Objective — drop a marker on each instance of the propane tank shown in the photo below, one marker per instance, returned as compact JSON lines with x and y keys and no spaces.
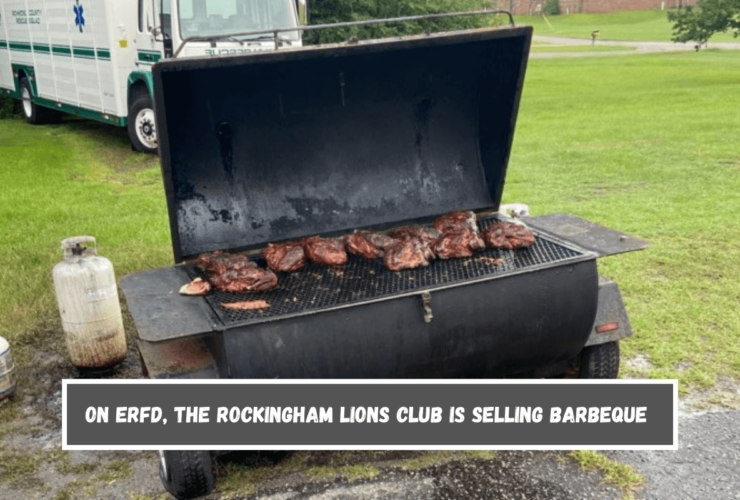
{"x":88,"y":303}
{"x":7,"y":386}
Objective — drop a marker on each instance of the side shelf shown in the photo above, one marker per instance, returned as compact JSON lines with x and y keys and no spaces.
{"x":586,"y":234}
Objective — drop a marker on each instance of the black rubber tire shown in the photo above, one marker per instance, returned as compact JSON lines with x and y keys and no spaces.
{"x":141,"y":102}
{"x":39,"y":114}
{"x":188,"y":474}
{"x":600,"y":361}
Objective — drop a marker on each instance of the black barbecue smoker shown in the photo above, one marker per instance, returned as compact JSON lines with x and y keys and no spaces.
{"x":277,"y":146}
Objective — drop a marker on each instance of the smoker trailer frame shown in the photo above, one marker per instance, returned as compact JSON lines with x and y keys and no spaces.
{"x":377,"y":134}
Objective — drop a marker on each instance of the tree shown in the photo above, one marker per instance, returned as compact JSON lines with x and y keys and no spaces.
{"x":334,"y":11}
{"x":698,"y":24}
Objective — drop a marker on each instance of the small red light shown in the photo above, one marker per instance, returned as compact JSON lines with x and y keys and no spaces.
{"x":607,"y":327}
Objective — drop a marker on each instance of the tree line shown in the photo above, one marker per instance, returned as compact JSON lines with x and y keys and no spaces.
{"x":334,"y":11}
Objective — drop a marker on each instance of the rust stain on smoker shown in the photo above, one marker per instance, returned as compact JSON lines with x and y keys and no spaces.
{"x":183,"y":355}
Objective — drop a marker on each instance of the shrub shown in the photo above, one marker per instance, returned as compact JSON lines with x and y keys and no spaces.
{"x":7,"y":107}
{"x":551,"y":8}
{"x":334,"y":11}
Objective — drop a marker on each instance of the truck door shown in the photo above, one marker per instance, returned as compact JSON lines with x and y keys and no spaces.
{"x":151,"y":40}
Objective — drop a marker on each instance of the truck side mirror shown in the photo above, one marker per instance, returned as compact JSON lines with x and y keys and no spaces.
{"x":303,"y":8}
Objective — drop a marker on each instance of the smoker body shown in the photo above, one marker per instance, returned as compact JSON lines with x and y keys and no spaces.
{"x":383,"y":133}
{"x":373,"y":135}
{"x":492,"y":328}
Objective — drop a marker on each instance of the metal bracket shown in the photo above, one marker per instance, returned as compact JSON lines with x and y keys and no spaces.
{"x":426,"y":301}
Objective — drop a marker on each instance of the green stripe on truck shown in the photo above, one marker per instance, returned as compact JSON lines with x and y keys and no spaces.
{"x":23,"y":47}
{"x":61,"y":50}
{"x":83,"y":52}
{"x":121,"y":121}
{"x":58,"y":50}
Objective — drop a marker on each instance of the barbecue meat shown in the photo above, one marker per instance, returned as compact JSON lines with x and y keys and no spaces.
{"x":360,"y":244}
{"x":379,"y":240}
{"x":248,"y":279}
{"x":285,"y":257}
{"x":218,"y":262}
{"x":325,"y":251}
{"x":457,"y":221}
{"x":196,"y":288}
{"x":247,"y":305}
{"x":508,"y":236}
{"x":236,"y":273}
{"x":423,"y":234}
{"x":407,"y":254}
{"x":457,"y":244}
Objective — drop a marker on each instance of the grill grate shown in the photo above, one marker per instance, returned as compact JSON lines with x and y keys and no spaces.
{"x":318,"y":287}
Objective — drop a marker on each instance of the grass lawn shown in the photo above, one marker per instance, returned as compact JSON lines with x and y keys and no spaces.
{"x":65,"y":180}
{"x":649,"y":25}
{"x":647,"y":146}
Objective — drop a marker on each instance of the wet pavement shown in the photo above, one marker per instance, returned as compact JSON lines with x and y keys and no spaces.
{"x":631,"y":48}
{"x":706,"y":465}
{"x":525,"y":475}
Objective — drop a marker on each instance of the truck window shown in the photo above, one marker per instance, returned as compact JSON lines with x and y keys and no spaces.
{"x":166,"y":19}
{"x":141,"y":16}
{"x":217,"y":17}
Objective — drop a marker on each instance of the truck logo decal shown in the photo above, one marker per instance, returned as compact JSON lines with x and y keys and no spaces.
{"x":79,"y":20}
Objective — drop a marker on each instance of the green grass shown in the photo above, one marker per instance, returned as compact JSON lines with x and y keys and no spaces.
{"x":16,"y":464}
{"x":67,"y":180}
{"x":623,"y":476}
{"x":115,"y":470}
{"x":651,"y":25}
{"x":648,"y":146}
{"x":552,"y":47}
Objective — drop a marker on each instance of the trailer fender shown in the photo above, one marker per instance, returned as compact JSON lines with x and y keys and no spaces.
{"x":137,"y":78}
{"x":140,"y":121}
{"x":612,"y":323}
{"x":19,"y":71}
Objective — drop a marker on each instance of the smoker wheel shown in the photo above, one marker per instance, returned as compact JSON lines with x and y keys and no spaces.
{"x":600,"y":361}
{"x":186,"y":474}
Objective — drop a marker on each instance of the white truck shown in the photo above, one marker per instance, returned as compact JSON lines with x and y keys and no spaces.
{"x":93,"y":58}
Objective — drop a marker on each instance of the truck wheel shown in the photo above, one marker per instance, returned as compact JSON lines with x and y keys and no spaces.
{"x":142,"y":129}
{"x":34,"y":113}
{"x":600,"y":361}
{"x":186,"y":474}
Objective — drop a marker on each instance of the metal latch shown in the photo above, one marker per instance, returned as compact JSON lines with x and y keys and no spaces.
{"x":426,"y":300}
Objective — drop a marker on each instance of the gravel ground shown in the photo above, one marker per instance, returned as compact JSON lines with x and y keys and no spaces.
{"x":523,"y":475}
{"x":705,"y":466}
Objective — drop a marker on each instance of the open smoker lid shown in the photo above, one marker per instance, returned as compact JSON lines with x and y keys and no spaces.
{"x":280,"y":145}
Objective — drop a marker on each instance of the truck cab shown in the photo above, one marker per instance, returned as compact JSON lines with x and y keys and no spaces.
{"x":94,"y":59}
{"x":201,"y":28}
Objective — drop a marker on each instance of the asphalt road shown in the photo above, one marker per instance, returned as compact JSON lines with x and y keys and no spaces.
{"x":631,"y":48}
{"x":706,"y":465}
{"x":525,"y":475}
